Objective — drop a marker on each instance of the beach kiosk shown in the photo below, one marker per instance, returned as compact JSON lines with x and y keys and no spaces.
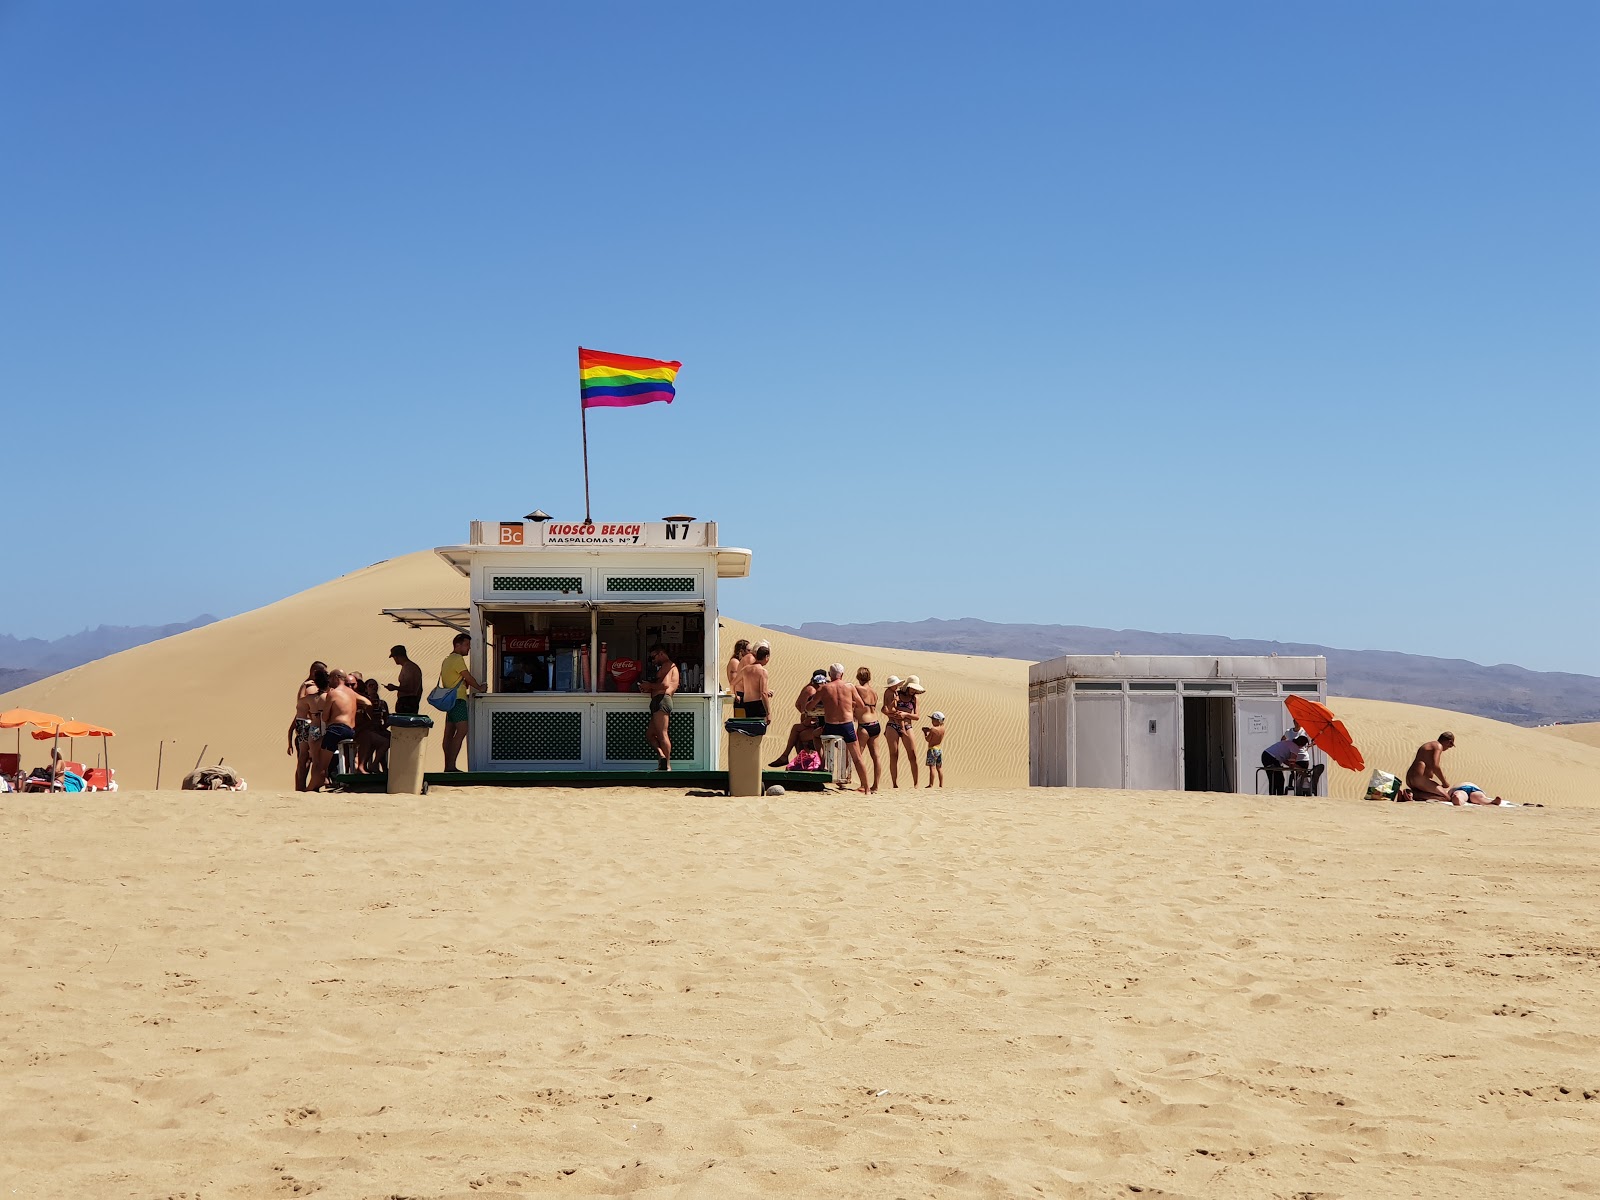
{"x":562,"y":616}
{"x":1172,"y":723}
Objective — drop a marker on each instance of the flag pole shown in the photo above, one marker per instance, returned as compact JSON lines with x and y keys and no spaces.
{"x":584,"y":410}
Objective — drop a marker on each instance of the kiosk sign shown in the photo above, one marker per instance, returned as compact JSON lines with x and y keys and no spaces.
{"x":623,"y":533}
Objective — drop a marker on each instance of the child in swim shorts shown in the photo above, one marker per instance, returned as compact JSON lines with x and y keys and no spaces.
{"x":934,"y":733}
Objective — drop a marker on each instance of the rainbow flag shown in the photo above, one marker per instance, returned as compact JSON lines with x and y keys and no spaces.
{"x":621,"y":381}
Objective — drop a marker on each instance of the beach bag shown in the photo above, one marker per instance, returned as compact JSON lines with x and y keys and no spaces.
{"x":1383,"y":786}
{"x":443,"y":698}
{"x":806,"y":760}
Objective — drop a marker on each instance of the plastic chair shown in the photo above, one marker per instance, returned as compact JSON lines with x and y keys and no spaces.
{"x":835,"y":760}
{"x":11,"y":767}
{"x":101,"y":779}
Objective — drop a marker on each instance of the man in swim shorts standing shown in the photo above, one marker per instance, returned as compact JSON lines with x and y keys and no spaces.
{"x":660,"y":692}
{"x":1425,"y":768}
{"x":338,"y":725}
{"x":409,"y":698}
{"x":754,"y":684}
{"x":453,"y":672}
{"x":838,"y":700}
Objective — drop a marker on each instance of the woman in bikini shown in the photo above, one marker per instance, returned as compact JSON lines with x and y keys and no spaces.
{"x":900,"y":711}
{"x":867,"y":723}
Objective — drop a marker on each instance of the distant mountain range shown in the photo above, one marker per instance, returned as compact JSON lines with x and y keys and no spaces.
{"x":24,"y":660}
{"x":1504,"y":692}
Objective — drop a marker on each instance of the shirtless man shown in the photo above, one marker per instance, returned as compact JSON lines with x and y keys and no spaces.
{"x":303,"y":727}
{"x":838,"y":700}
{"x":409,"y":697}
{"x":660,"y":692}
{"x":1425,"y":769}
{"x":867,"y":723}
{"x":806,"y":729}
{"x":755,"y":685}
{"x":736,"y":665}
{"x":339,"y":724}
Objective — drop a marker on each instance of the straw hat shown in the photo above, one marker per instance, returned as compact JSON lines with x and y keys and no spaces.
{"x":913,"y":684}
{"x":893,"y":681}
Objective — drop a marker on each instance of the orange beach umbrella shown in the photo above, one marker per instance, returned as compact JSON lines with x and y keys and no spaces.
{"x":59,"y":729}
{"x":71,"y":729}
{"x":1324,"y":729}
{"x":16,"y":718}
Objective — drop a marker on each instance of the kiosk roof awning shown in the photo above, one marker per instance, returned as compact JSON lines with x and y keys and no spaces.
{"x":432,"y":618}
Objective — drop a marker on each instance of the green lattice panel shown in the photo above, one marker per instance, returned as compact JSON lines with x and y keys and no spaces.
{"x":626,"y":739}
{"x":650,"y":583}
{"x":536,"y":736}
{"x":536,"y":583}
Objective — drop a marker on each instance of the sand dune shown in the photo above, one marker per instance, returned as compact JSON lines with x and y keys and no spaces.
{"x":1588,"y":733}
{"x":1508,"y":760}
{"x":230,"y":687}
{"x":970,"y":993}
{"x":987,"y":991}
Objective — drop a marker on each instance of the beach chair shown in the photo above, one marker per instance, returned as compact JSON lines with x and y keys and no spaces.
{"x":101,"y":779}
{"x":11,"y":768}
{"x":835,"y":759}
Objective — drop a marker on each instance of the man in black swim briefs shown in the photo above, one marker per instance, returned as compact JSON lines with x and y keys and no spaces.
{"x":838,"y":700}
{"x":660,"y":691}
{"x":755,"y":686}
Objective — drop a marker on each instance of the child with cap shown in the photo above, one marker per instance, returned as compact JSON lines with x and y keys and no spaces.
{"x":935,"y":735}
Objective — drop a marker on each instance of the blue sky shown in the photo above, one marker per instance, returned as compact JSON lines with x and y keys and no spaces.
{"x":1257,"y":319}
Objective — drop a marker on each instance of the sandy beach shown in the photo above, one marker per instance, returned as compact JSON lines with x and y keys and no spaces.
{"x":988,"y":993}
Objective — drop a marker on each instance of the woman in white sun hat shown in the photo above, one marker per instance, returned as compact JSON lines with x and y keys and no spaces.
{"x":900,"y":718}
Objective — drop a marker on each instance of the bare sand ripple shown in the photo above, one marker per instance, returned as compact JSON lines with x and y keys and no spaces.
{"x":988,"y":993}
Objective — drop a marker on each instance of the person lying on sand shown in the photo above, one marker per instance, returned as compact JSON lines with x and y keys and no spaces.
{"x":1425,"y":776}
{"x":1471,"y":793}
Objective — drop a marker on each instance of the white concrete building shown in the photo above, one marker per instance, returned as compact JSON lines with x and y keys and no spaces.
{"x":1175,"y":723}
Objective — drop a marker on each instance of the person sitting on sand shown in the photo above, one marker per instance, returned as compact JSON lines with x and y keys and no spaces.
{"x":1425,"y":775}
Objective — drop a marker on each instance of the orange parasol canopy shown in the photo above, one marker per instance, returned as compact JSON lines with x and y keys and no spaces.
{"x":1323,"y":728}
{"x":71,"y":729}
{"x":16,"y":718}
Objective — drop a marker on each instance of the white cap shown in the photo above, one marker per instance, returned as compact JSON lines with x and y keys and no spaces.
{"x":936,"y":717}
